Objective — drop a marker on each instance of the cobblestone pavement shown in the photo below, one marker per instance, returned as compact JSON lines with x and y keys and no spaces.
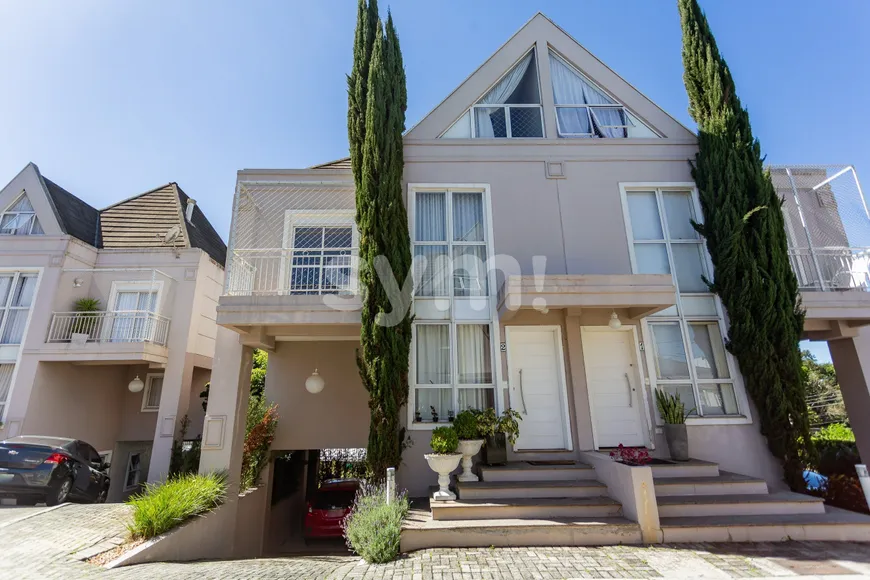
{"x":42,"y":546}
{"x":10,"y":514}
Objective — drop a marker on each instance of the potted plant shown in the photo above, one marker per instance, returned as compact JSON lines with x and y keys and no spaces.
{"x":85,"y":321}
{"x":443,"y":459}
{"x":467,"y":427}
{"x":434,"y":414}
{"x":418,"y":416}
{"x":498,"y":431}
{"x":674,"y":414}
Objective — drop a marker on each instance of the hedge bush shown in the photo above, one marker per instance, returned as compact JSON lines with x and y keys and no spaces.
{"x":373,"y":529}
{"x":444,"y":440}
{"x":837,"y":451}
{"x":467,"y":424}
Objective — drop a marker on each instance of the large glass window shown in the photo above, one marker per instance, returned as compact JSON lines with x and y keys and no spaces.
{"x":321,"y":260}
{"x":449,"y":244}
{"x":5,"y":387}
{"x":453,"y":363}
{"x":20,"y":219}
{"x":16,"y":296}
{"x":688,"y":350}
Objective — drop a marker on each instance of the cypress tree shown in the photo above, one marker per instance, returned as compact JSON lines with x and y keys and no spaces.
{"x":383,"y":229}
{"x":358,"y":82}
{"x":745,"y":235}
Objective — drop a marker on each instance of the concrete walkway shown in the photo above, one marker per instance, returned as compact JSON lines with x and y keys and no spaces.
{"x":43,"y":544}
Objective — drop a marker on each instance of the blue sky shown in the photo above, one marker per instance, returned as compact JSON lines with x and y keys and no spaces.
{"x":115,"y":98}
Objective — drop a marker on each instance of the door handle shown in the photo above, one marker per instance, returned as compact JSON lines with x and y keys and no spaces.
{"x":630,"y":389}
{"x":522,"y":398}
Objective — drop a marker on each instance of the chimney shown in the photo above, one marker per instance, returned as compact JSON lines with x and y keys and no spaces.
{"x":188,"y":212}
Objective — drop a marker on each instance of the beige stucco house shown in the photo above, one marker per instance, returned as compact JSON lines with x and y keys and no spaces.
{"x":564,"y":198}
{"x":155,"y":264}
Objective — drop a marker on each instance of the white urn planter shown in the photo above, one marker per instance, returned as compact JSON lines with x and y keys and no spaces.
{"x":468,"y":448}
{"x":79,"y":338}
{"x":443,"y":464}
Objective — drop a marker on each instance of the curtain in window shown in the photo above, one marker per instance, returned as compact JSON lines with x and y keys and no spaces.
{"x":22,"y":298}
{"x":571,"y":89}
{"x":433,"y":354}
{"x":468,"y":217}
{"x":431,"y":217}
{"x":154,"y":393}
{"x":498,"y":95}
{"x":476,"y":399}
{"x":5,"y":385}
{"x":604,"y":116}
{"x":473,"y":354}
{"x":431,"y":271}
{"x":469,"y":271}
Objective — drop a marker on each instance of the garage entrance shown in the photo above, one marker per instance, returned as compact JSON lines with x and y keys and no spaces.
{"x":297,"y":479}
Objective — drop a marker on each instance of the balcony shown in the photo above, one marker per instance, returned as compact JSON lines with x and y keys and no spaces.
{"x":828,"y":228}
{"x":112,"y":327}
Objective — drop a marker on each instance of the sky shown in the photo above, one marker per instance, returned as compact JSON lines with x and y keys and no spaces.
{"x":111,"y":99}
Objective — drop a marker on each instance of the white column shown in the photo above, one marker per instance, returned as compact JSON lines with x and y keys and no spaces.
{"x":174,"y":399}
{"x":851,"y":357}
{"x":224,"y":427}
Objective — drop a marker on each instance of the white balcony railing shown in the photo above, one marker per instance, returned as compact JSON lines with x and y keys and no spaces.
{"x":831,"y":268}
{"x":117,"y":326}
{"x":312,"y":271}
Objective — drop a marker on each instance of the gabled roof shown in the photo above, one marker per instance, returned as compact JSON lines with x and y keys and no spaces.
{"x":343,"y":163}
{"x":76,"y":217}
{"x":145,"y":220}
{"x":544,"y":34}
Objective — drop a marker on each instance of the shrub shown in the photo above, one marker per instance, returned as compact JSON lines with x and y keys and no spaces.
{"x":162,"y":506}
{"x":844,"y":491}
{"x":837,"y":452}
{"x":373,"y":528}
{"x":260,"y":425}
{"x":467,"y":424}
{"x":508,"y":423}
{"x":444,"y":440}
{"x":671,"y":408}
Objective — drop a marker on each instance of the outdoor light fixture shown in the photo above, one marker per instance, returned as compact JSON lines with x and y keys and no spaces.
{"x":136,"y":385}
{"x":315,"y":383}
{"x":78,"y":282}
{"x":614,"y":323}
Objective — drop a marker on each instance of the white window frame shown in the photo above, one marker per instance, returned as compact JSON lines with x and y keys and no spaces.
{"x":455,"y":316}
{"x":149,"y":379}
{"x":7,"y":307}
{"x":138,"y":470}
{"x":32,"y":222}
{"x":744,"y":415}
{"x":316,"y":218}
{"x":132,"y":286}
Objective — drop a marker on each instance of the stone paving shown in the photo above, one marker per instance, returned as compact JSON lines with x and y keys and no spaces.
{"x":41,"y":547}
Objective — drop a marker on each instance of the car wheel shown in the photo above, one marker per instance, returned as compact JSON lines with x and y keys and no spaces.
{"x":59,"y":492}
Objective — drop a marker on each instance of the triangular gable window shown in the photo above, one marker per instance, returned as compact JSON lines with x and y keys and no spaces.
{"x":510,"y":109}
{"x":583,"y":110}
{"x":20,"y":219}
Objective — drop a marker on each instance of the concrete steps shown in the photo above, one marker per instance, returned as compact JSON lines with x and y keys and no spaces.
{"x":521,"y":471}
{"x":831,"y":525}
{"x":524,"y":508}
{"x":723,"y":484}
{"x":691,"y":468}
{"x":484,"y":490}
{"x":782,"y":503}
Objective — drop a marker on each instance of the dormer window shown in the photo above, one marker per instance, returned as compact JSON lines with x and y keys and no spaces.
{"x":510,"y":109}
{"x":585,"y":111}
{"x":20,"y":219}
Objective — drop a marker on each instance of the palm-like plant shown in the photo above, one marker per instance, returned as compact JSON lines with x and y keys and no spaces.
{"x":671,"y":408}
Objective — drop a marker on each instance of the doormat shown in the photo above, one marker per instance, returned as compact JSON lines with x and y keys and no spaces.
{"x":553,"y":462}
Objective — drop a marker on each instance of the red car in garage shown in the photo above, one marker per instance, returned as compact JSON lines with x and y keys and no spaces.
{"x":329,"y":506}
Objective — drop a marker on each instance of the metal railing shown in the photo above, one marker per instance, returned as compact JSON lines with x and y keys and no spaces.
{"x":312,"y":271}
{"x":831,"y":268}
{"x":115,"y":326}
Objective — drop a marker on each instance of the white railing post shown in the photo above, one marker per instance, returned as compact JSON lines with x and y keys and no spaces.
{"x":391,"y":484}
{"x":797,"y":202}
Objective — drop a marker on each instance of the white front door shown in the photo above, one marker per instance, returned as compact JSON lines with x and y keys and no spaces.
{"x":612,"y":383}
{"x":537,"y":383}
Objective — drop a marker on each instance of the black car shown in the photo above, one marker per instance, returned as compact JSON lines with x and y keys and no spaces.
{"x":53,"y":470}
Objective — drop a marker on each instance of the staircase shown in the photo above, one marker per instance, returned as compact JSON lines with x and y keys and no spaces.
{"x":698,"y":502}
{"x":520,"y":504}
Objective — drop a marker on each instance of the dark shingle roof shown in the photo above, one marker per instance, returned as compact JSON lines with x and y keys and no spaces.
{"x":76,"y":217}
{"x":201,"y":233}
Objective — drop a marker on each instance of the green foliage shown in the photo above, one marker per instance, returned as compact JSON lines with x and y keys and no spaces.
{"x":444,"y":440}
{"x":824,"y":399}
{"x":181,"y":461}
{"x":341,"y":464}
{"x":745,"y":235}
{"x":837,"y":452}
{"x":467,"y":424}
{"x":377,"y":160}
{"x":162,"y":506}
{"x":260,"y":424}
{"x":508,"y":423}
{"x":672,"y":410}
{"x":87,"y":305}
{"x":373,"y":528}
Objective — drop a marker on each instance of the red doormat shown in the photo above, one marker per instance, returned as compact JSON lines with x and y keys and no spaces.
{"x":553,"y":462}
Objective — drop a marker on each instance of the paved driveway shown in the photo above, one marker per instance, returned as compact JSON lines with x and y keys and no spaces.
{"x":40,"y":544}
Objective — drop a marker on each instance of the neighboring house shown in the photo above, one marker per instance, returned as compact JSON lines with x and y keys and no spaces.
{"x":577,"y":186}
{"x":155,"y":263}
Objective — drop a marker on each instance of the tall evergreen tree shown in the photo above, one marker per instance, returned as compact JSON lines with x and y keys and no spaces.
{"x":383,"y":228}
{"x":358,"y":82}
{"x":745,"y":234}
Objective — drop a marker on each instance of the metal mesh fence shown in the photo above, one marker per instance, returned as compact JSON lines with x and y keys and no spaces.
{"x":828,"y":225}
{"x":293,"y":238}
